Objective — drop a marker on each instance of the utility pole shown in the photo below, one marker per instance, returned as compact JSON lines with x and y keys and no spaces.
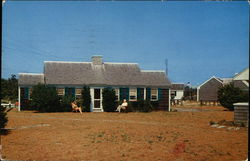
{"x":166,"y":63}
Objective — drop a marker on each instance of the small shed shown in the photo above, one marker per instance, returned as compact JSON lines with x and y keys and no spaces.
{"x":241,"y":113}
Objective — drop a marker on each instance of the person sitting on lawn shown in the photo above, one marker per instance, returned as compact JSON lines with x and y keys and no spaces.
{"x":75,"y":107}
{"x":123,"y":106}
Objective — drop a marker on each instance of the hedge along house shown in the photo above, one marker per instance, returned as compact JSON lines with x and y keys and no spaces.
{"x":128,"y":80}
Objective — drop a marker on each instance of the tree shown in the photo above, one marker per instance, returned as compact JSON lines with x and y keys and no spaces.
{"x":109,"y":100}
{"x":9,"y":88}
{"x":86,"y":99}
{"x":228,"y":95}
{"x":45,"y":99}
{"x":13,"y":88}
{"x":3,"y":117}
{"x":4,"y":88}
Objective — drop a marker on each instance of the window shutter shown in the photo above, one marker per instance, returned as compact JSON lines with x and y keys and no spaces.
{"x":140,"y":94}
{"x":148,"y":93}
{"x":66,"y":91}
{"x":124,"y":93}
{"x":127,"y":93}
{"x":73,"y":92}
{"x":159,"y":93}
{"x":26,"y":93}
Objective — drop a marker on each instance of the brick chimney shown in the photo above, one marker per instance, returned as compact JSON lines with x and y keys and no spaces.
{"x":97,"y":60}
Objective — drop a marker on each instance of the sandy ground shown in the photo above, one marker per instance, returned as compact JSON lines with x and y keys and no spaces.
{"x":125,"y":136}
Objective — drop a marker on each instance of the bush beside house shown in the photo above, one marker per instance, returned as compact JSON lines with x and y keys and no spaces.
{"x":86,"y":99}
{"x":45,"y":99}
{"x":228,"y":95}
{"x":142,"y":106}
{"x":3,"y":117}
{"x":109,"y":100}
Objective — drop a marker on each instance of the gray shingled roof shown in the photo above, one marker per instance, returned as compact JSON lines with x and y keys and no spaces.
{"x":177,"y":86}
{"x":30,"y":79}
{"x":240,"y":84}
{"x":113,"y":74}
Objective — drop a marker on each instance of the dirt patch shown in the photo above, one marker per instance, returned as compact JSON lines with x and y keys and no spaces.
{"x":124,"y":136}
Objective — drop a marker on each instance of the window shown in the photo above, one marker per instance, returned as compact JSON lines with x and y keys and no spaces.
{"x":117,"y":93}
{"x":154,"y":94}
{"x":78,"y":93}
{"x":132,"y":94}
{"x":60,"y":91}
{"x":173,"y":93}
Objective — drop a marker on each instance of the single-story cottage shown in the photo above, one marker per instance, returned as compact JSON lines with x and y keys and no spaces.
{"x":128,"y":80}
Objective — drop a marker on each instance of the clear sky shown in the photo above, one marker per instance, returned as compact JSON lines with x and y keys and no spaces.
{"x":199,"y":39}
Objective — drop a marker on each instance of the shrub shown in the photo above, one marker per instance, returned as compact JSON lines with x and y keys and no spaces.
{"x":228,"y":95}
{"x":147,"y":106}
{"x":45,"y":99}
{"x":26,"y":104}
{"x":86,"y":99}
{"x":65,"y":103}
{"x":155,"y":105}
{"x":140,"y":106}
{"x":109,"y":100}
{"x":3,"y":117}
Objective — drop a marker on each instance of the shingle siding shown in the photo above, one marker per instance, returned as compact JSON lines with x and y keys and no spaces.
{"x":240,"y":84}
{"x":208,"y":91}
{"x":26,"y":79}
{"x":176,"y":86}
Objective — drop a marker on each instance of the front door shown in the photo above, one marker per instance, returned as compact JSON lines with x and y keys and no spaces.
{"x":97,"y":98}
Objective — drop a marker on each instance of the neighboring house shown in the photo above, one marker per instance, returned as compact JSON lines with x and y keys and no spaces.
{"x":177,"y":92}
{"x":128,"y":80}
{"x":208,"y":91}
{"x":241,"y":80}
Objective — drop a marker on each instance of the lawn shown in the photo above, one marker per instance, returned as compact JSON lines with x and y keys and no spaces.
{"x":123,"y":136}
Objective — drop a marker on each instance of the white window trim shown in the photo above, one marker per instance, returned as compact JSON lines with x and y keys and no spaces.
{"x":135,"y":94}
{"x":152,"y":94}
{"x":100,"y":99}
{"x":118,"y":93}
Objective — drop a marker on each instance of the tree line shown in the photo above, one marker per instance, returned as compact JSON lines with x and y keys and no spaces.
{"x":9,"y":89}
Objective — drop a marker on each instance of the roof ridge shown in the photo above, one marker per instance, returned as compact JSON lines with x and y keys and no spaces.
{"x":152,"y":71}
{"x":31,"y":73}
{"x":66,"y":62}
{"x":119,"y":63}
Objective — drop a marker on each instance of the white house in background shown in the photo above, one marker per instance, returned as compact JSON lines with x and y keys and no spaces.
{"x":241,"y":80}
{"x":177,"y":90}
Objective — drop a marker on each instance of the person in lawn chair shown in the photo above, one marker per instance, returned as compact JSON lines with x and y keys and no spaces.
{"x":75,"y":107}
{"x":123,"y":106}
